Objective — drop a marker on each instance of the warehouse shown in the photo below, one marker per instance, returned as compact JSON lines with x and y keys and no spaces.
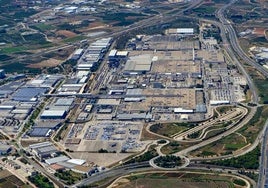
{"x":64,"y":102}
{"x":215,"y":102}
{"x":53,"y":114}
{"x":39,"y":132}
{"x":4,"y":148}
{"x":43,"y":150}
{"x":48,"y":124}
{"x":112,"y":54}
{"x":77,"y":161}
{"x":138,"y":64}
{"x":56,"y":159}
{"x":134,"y":116}
{"x":112,"y":102}
{"x":122,"y":54}
{"x":2,"y":74}
{"x":180,"y":31}
{"x":28,"y":94}
{"x":183,"y":111}
{"x":77,"y":54}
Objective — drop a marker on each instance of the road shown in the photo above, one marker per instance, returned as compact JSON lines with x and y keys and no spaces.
{"x":191,"y":171}
{"x":263,"y":176}
{"x":218,"y":137}
{"x":151,"y":21}
{"x":222,"y":118}
{"x":115,"y":172}
{"x":234,"y":41}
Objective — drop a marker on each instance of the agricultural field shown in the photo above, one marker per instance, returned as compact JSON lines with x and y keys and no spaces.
{"x":10,"y":181}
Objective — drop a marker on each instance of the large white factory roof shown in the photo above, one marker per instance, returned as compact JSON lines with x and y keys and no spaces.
{"x":185,"y":30}
{"x":53,"y":113}
{"x":76,"y":161}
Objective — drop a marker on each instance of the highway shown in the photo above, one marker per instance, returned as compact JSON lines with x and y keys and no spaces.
{"x":138,"y":25}
{"x":151,"y":21}
{"x":225,"y":24}
{"x":218,"y":137}
{"x":233,"y":48}
{"x":115,"y":172}
{"x":222,"y":118}
{"x":263,"y":178}
{"x":234,"y":41}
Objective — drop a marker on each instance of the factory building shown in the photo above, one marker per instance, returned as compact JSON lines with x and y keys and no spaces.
{"x":138,"y":64}
{"x":4,"y":149}
{"x":2,"y":73}
{"x":94,"y":54}
{"x":43,"y":150}
{"x":77,"y":54}
{"x":54,"y":114}
{"x":180,"y":31}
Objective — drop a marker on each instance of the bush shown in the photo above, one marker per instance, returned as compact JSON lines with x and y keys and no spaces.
{"x":240,"y":182}
{"x":247,"y":161}
{"x":169,"y":161}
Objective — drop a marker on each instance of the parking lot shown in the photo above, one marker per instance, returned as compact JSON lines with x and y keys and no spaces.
{"x":111,"y":136}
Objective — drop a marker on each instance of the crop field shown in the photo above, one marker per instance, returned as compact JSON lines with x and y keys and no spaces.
{"x":10,"y":181}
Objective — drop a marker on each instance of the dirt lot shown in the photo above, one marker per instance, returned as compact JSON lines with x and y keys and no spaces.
{"x":65,"y":33}
{"x":26,"y":143}
{"x":259,"y":31}
{"x":92,"y":26}
{"x":101,"y":159}
{"x":47,"y":63}
{"x":9,"y":181}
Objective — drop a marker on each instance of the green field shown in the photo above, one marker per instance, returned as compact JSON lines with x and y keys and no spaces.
{"x":69,"y":177}
{"x":223,"y":146}
{"x":255,"y":125}
{"x":43,"y":27}
{"x":169,"y":129}
{"x":11,"y":50}
{"x":247,"y":161}
{"x":224,"y":109}
{"x":205,"y":9}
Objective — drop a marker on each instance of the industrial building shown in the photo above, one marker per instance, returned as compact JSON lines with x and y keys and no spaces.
{"x":39,"y":132}
{"x":54,"y":114}
{"x":138,"y":64}
{"x":77,"y":54}
{"x":28,"y":94}
{"x":54,"y":160}
{"x":2,"y":73}
{"x":5,"y":149}
{"x":94,"y":54}
{"x":43,"y":150}
{"x":44,"y":128}
{"x":180,"y":31}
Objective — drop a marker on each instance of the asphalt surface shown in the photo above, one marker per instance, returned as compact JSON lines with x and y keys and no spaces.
{"x":114,"y":173}
{"x":263,"y":176}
